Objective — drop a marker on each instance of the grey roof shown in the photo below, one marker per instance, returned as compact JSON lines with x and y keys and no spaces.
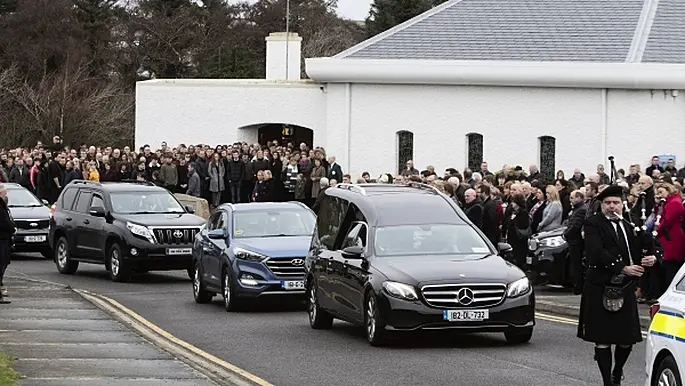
{"x":666,"y":43}
{"x":536,"y":30}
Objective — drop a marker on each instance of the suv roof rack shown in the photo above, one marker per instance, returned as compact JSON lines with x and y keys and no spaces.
{"x":423,"y":186}
{"x":138,"y":182}
{"x":352,"y":188}
{"x":84,"y":182}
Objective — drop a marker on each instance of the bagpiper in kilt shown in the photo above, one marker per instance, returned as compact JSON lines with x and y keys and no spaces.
{"x":617,"y":253}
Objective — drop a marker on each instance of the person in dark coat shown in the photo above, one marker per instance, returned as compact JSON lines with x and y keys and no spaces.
{"x":519,"y":229}
{"x":473,"y":208}
{"x":614,"y":250}
{"x":194,"y":183}
{"x":574,"y":237}
{"x":7,"y":230}
{"x":490,"y":223}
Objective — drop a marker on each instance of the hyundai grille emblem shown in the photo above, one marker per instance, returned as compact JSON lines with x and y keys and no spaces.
{"x":465,"y":296}
{"x":178,"y":234}
{"x":34,"y":224}
{"x":298,"y":262}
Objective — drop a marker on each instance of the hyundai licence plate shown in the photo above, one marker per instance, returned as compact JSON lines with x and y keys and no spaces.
{"x":465,"y":315}
{"x":179,"y":251}
{"x":34,"y":239}
{"x":292,"y":285}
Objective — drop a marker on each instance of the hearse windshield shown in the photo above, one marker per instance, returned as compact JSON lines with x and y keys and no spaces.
{"x":431,"y":239}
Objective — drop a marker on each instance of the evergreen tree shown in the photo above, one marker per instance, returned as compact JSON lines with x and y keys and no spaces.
{"x":385,"y":14}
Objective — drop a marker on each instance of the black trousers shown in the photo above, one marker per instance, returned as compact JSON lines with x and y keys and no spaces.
{"x":670,"y":270}
{"x":5,"y":251}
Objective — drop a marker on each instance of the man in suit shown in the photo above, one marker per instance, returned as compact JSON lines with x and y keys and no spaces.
{"x":7,"y":231}
{"x":614,"y":251}
{"x":335,"y":172}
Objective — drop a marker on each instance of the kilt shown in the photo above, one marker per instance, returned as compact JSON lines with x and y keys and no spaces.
{"x":600,"y":326}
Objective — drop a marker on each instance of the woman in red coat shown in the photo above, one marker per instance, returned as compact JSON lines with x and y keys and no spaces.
{"x":670,"y":232}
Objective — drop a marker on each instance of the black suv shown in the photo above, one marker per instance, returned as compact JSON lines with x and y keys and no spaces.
{"x":406,"y":258}
{"x":128,"y":226}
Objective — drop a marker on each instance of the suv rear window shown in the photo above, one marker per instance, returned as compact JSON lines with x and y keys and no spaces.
{"x":68,"y":197}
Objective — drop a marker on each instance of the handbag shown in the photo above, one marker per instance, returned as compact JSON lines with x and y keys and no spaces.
{"x":524,"y":234}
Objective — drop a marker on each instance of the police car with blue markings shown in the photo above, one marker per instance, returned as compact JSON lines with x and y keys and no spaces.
{"x":665,"y":349}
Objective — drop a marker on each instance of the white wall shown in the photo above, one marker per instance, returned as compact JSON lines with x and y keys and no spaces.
{"x":212,"y":111}
{"x":645,"y":123}
{"x":511,"y":119}
{"x":358,"y":123}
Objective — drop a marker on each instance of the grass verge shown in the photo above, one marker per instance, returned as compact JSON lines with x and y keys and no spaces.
{"x":8,"y":377}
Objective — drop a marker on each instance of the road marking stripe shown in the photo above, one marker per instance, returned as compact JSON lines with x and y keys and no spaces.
{"x":574,"y":322}
{"x":209,"y":357}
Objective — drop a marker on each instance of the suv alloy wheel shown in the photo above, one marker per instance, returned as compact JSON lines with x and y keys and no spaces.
{"x":230,"y":301}
{"x":373,"y":322}
{"x":118,"y":271}
{"x":62,"y":259}
{"x":319,"y":319}
{"x":200,"y":294}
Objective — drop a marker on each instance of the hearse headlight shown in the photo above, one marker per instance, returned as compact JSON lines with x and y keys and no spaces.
{"x":400,"y":290}
{"x":552,"y":242}
{"x":141,"y":230}
{"x":533,"y":244}
{"x":518,"y":288}
{"x":244,"y":254}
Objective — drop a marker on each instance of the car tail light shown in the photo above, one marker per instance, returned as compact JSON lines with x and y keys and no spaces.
{"x":52,"y":210}
{"x":653,"y":310}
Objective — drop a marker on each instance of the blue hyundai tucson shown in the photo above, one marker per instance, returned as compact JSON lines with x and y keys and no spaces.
{"x":250,"y":251}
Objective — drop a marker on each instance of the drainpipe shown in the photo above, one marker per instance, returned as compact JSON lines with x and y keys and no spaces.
{"x":605,"y":123}
{"x":348,"y":118}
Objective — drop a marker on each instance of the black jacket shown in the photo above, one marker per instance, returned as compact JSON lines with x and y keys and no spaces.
{"x":20,"y":176}
{"x":474,"y":211}
{"x":572,"y":234}
{"x":7,"y":228}
{"x":235,"y":171}
{"x":490,"y":226}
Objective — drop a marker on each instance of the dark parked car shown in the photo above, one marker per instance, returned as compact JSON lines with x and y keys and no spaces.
{"x":548,"y":258}
{"x":32,"y":219}
{"x":128,"y":227}
{"x":249,"y":251}
{"x":406,"y":258}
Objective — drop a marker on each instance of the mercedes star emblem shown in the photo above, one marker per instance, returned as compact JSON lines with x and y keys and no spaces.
{"x":297,"y":262}
{"x":178,"y":234}
{"x":465,"y":296}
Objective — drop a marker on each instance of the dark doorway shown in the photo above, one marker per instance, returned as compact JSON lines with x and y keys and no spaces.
{"x":285,"y":134}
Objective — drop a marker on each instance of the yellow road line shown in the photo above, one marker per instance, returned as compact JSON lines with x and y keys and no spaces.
{"x":195,"y":350}
{"x":559,"y":319}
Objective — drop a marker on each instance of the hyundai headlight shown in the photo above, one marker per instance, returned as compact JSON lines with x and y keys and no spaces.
{"x":244,"y":254}
{"x":553,"y":242}
{"x":400,"y":290}
{"x":518,"y":288}
{"x":142,"y":231}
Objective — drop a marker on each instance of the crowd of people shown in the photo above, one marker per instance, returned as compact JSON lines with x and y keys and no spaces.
{"x":508,"y":205}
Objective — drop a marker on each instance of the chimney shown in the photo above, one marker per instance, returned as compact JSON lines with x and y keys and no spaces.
{"x":283,"y":52}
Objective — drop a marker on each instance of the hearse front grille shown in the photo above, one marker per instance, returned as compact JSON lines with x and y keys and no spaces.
{"x":32,"y":224}
{"x":464,"y":295}
{"x":176,"y":236}
{"x":290,"y":267}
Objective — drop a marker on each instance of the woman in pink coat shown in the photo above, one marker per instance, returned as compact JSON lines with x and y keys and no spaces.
{"x":670,"y":231}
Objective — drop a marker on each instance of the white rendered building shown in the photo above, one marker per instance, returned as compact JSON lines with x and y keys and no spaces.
{"x":557,"y":83}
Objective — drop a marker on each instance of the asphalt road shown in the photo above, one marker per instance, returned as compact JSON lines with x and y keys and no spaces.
{"x":276,"y":343}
